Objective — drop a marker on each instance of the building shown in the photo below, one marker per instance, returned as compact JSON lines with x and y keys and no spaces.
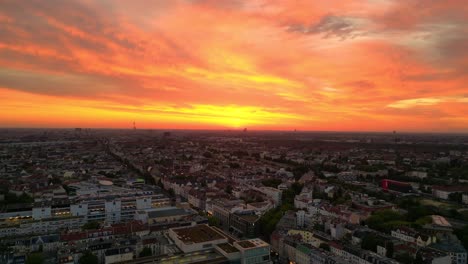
{"x":300,"y":218}
{"x":117,"y":255}
{"x":454,"y":249}
{"x":396,"y":186}
{"x":356,"y":255}
{"x":272,"y":193}
{"x":196,"y":238}
{"x":411,"y":236}
{"x":163,"y":215}
{"x":222,"y":210}
{"x":229,"y":251}
{"x":47,"y":216}
{"x":253,"y":251}
{"x":443,"y":192}
{"x":245,"y":223}
{"x":417,"y":174}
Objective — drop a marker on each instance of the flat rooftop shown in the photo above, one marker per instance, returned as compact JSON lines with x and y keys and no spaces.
{"x":228,"y":248}
{"x":246,"y":244}
{"x":250,"y":218}
{"x":197,"y":234}
{"x":167,"y":212}
{"x":252,"y":243}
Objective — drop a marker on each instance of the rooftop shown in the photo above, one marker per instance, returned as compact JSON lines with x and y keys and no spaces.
{"x":118,"y":251}
{"x":246,"y":244}
{"x":440,"y":221}
{"x":167,"y":212}
{"x":251,"y":218}
{"x":452,"y":188}
{"x":251,"y":243}
{"x":197,"y":234}
{"x":446,"y":246}
{"x":228,"y":248}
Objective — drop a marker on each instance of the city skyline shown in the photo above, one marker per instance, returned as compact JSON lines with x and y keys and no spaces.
{"x":376,"y":65}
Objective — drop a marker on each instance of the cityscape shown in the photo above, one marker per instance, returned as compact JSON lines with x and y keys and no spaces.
{"x":236,"y":196}
{"x":233,"y":132}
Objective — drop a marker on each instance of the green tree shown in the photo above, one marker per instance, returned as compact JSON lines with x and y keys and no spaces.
{"x":269,"y":220}
{"x":419,"y":259}
{"x":297,"y":187}
{"x":171,"y":192}
{"x":324,"y":246}
{"x":369,"y":242}
{"x":404,"y":258}
{"x":35,"y":258}
{"x":271,"y":182}
{"x":91,"y":225}
{"x":390,"y":249}
{"x":462,"y":234}
{"x":146,"y":252}
{"x":386,"y":220}
{"x":23,"y":198}
{"x":88,"y":258}
{"x":213,"y":221}
{"x":228,"y":189}
{"x":456,"y":197}
{"x":289,"y":194}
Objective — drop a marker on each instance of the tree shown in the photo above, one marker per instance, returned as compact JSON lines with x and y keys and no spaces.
{"x":289,"y":194}
{"x":228,"y":189}
{"x":146,"y":252}
{"x":271,"y":182}
{"x":88,"y":258}
{"x":269,"y":220}
{"x":35,"y":258}
{"x":390,"y":249}
{"x":324,"y":246}
{"x":386,"y":220}
{"x":462,"y":234}
{"x":455,"y":197}
{"x":299,"y":171}
{"x":23,"y":198}
{"x":419,"y":259}
{"x":91,"y":225}
{"x":171,"y":192}
{"x":404,"y":258}
{"x":213,"y":221}
{"x":369,"y":242}
{"x":297,"y":187}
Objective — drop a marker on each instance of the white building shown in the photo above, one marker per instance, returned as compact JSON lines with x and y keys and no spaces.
{"x":300,"y":218}
{"x":272,"y":193}
{"x":42,"y":212}
{"x":117,"y":255}
{"x":253,"y":251}
{"x":113,"y":211}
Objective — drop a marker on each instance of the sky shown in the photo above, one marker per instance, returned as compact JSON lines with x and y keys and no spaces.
{"x":335,"y":65}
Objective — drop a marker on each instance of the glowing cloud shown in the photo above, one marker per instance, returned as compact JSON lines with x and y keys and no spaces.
{"x":318,"y":65}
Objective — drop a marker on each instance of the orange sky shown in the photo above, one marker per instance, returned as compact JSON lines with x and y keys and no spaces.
{"x":373,"y":65}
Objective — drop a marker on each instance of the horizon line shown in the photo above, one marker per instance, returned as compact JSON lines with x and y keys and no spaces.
{"x":248,"y":130}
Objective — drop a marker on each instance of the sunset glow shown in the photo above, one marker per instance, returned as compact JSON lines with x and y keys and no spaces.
{"x":374,"y":65}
